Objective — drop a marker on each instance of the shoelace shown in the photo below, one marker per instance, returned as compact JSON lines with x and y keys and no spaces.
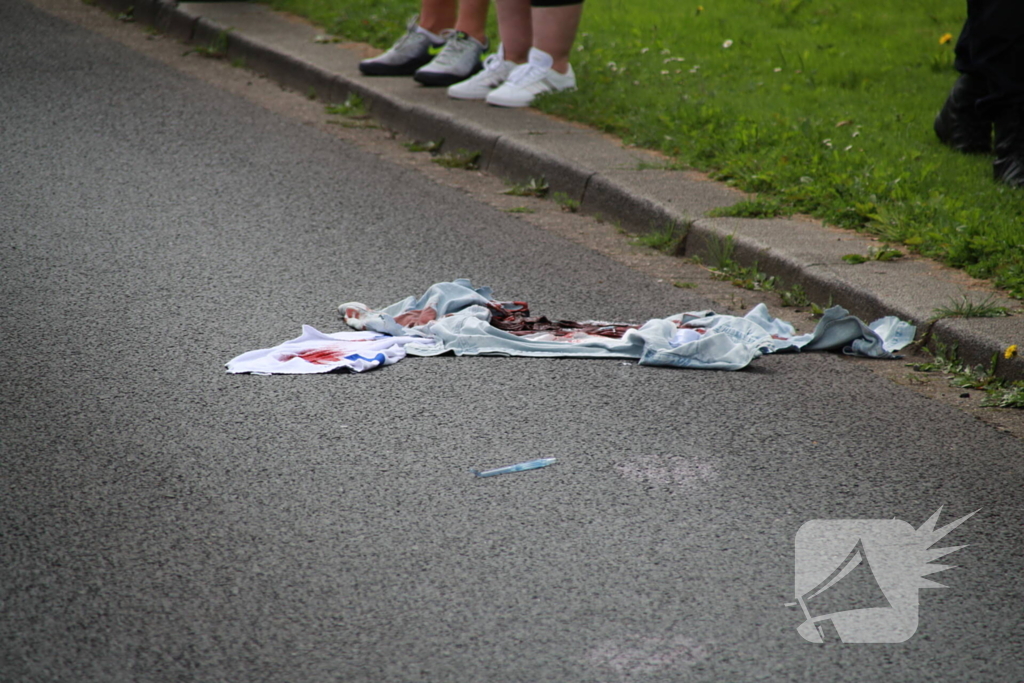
{"x":492,"y":63}
{"x":525,"y":74}
{"x":412,"y":34}
{"x":456,"y":46}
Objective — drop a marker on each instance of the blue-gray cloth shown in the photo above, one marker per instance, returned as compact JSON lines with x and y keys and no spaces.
{"x":454,"y":317}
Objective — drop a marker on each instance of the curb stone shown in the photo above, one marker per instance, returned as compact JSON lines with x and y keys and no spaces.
{"x":605,"y":177}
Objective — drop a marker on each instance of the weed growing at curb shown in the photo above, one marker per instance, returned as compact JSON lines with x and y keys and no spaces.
{"x":723,"y":266}
{"x":537,"y":187}
{"x":351,"y":107}
{"x":794,"y":296}
{"x":965,"y":308}
{"x":217,"y":49}
{"x":999,"y":392}
{"x":874,"y":254}
{"x":669,"y":239}
{"x":431,"y":146}
{"x":460,"y":158}
{"x":566,"y":202}
{"x":818,"y":311}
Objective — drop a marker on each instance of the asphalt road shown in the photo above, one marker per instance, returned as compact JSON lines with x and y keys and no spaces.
{"x":161,"y":520}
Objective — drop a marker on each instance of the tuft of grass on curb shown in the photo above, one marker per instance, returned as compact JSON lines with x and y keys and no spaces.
{"x":461,"y":158}
{"x":669,"y":238}
{"x":217,"y":49}
{"x":432,"y":146}
{"x":566,"y":202}
{"x":966,"y":308}
{"x":874,"y":254}
{"x":536,"y":187}
{"x":999,"y":392}
{"x":720,"y":261}
{"x":353,"y":106}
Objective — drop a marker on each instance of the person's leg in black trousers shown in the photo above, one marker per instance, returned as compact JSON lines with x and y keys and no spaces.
{"x":990,"y":90}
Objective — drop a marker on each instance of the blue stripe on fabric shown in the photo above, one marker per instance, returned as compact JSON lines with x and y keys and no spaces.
{"x":380,"y":358}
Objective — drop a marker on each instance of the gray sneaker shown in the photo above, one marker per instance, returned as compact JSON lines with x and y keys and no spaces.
{"x":412,"y":51}
{"x":457,"y":61}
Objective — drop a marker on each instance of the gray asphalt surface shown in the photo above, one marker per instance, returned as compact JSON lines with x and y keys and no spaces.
{"x":161,"y":520}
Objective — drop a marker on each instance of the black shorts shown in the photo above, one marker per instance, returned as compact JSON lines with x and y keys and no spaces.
{"x":554,"y":3}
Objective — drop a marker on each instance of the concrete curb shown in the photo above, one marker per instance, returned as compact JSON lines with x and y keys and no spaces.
{"x":602,"y":175}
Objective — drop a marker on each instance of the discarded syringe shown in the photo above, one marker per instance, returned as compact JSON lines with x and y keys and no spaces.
{"x":530,"y":465}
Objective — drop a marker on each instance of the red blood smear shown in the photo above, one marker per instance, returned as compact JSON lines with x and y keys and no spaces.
{"x":514,"y":317}
{"x":414,"y":318}
{"x":315,"y":356}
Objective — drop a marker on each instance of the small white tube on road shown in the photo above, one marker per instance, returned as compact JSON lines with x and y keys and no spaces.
{"x":530,"y":465}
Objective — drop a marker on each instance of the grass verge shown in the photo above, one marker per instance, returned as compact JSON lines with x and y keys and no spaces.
{"x":818,"y":106}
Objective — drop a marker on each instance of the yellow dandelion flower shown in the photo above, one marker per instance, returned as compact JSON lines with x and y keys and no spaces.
{"x":1011,"y":351}
{"x":946,"y":38}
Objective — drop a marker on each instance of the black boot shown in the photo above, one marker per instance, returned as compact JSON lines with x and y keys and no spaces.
{"x":1009,"y":164}
{"x":959,"y":125}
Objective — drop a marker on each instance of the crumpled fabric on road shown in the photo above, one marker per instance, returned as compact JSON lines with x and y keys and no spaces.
{"x":316,"y":352}
{"x":454,"y":317}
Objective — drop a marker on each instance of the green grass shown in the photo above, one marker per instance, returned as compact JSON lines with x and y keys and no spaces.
{"x":669,"y":238}
{"x":819,"y":106}
{"x":431,"y":146}
{"x":217,"y":49}
{"x":352,"y":106}
{"x":999,"y":392}
{"x":464,"y":159}
{"x":537,"y":187}
{"x":966,"y":308}
{"x":566,"y":202}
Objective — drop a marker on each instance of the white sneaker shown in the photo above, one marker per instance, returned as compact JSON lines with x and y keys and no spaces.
{"x":496,"y":70}
{"x":531,"y":79}
{"x":457,"y":61}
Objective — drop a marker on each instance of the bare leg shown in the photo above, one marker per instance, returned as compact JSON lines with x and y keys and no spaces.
{"x":554,"y":30}
{"x":437,"y":15}
{"x":516,"y":27}
{"x":472,"y":18}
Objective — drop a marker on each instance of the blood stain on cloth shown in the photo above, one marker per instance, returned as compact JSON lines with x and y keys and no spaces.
{"x":314,"y":356}
{"x":417,"y":317}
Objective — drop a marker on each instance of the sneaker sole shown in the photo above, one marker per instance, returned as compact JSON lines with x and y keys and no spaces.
{"x":437,"y":79}
{"x":507,"y":103}
{"x":468,"y":96}
{"x":374,"y":69}
{"x":498,"y":102}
